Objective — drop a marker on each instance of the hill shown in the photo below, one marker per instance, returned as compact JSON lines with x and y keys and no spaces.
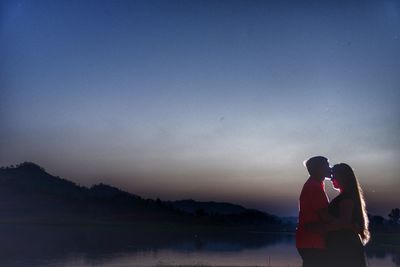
{"x":29,"y":193}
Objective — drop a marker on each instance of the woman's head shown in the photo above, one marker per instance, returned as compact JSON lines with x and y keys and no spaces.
{"x":344,"y":179}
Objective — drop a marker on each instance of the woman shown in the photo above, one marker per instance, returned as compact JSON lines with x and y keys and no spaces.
{"x":345,"y":246}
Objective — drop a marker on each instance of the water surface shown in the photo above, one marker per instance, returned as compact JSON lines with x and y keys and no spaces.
{"x":67,"y":246}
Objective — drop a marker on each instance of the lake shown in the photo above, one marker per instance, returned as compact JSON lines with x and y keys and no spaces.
{"x":67,"y":246}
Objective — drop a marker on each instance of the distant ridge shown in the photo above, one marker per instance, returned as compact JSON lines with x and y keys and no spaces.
{"x":28,"y":192}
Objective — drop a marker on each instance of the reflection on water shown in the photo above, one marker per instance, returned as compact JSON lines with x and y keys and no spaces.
{"x":23,"y":245}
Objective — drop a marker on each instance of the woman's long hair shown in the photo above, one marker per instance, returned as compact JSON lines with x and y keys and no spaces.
{"x":352,"y":188}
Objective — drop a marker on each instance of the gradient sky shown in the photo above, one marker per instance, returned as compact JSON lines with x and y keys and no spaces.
{"x":210,"y":100}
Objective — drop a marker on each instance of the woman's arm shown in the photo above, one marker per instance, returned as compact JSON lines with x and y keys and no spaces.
{"x":325,"y":218}
{"x":344,"y":221}
{"x":331,"y":223}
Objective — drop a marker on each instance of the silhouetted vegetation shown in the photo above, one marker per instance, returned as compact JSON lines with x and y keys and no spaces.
{"x":378,"y":223}
{"x":394,"y":216}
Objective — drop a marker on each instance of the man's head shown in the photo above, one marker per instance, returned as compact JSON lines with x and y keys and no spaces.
{"x":318,"y":167}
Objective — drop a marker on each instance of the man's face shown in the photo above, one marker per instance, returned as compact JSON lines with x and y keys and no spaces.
{"x":325,"y":171}
{"x":328,"y":171}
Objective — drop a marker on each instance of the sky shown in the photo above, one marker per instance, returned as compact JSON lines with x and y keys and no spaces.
{"x":207,"y":100}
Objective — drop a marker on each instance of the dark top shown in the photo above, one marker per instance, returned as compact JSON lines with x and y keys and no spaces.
{"x":334,"y":206}
{"x":344,"y":246}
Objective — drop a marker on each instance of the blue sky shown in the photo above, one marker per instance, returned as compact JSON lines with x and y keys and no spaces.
{"x":212,"y":100}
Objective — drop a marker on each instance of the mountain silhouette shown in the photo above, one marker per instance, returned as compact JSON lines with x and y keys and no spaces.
{"x":29,"y":193}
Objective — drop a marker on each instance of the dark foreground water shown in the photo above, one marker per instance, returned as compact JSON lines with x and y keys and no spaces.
{"x":45,"y":245}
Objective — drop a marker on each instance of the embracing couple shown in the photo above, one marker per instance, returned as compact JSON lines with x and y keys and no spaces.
{"x":331,"y":234}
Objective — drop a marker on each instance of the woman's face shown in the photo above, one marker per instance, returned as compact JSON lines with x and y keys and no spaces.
{"x":337,"y":181}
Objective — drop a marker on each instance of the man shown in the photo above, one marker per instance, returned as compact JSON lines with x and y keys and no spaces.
{"x":311,"y":245}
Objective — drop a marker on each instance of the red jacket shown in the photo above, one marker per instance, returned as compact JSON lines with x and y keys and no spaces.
{"x":312,"y":199}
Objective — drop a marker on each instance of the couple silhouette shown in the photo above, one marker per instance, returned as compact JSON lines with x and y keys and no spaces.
{"x":331,"y":233}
